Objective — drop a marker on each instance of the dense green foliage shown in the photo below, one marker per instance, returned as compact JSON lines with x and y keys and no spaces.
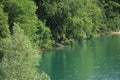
{"x":4,"y":29}
{"x":111,"y":9}
{"x":44,"y":23}
{"x":20,"y":62}
{"x":24,"y":13}
{"x":76,"y":19}
{"x":18,"y":57}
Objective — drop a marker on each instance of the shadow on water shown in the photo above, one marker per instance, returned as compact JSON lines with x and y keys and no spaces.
{"x":95,"y":59}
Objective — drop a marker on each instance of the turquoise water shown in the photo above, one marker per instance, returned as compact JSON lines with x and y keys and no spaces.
{"x":95,"y":59}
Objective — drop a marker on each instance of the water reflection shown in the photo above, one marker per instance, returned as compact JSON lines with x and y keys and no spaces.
{"x":96,"y":59}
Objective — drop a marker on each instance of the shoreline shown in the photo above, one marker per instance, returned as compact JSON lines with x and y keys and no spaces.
{"x":58,"y":45}
{"x":118,"y":32}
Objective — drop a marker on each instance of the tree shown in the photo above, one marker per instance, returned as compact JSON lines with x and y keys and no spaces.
{"x":53,"y":13}
{"x":111,"y":9}
{"x":4,"y":29}
{"x":22,"y":11}
{"x":44,"y":37}
{"x":74,"y":19}
{"x":21,"y":59}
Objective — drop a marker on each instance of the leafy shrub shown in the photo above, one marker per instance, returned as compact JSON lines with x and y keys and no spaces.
{"x":20,"y":59}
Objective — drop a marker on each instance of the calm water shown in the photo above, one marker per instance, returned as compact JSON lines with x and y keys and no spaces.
{"x":95,"y":59}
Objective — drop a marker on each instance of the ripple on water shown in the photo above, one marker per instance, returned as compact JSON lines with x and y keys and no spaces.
{"x":105,"y":76}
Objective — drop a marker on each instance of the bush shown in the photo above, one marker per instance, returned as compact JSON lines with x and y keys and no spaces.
{"x":20,"y":59}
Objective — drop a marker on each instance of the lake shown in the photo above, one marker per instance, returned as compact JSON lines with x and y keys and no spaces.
{"x":94,"y":59}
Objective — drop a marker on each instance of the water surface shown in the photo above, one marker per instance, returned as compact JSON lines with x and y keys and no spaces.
{"x":95,"y":59}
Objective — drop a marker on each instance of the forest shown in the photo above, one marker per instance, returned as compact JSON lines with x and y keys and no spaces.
{"x":26,"y":26}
